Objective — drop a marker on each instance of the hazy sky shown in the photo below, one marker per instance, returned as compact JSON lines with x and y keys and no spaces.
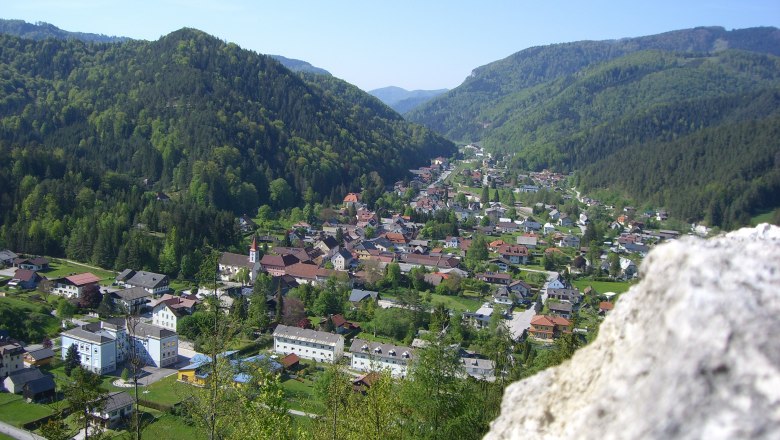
{"x":414,"y":44}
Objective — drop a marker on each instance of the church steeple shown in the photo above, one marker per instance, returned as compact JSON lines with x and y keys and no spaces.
{"x":253,"y":250}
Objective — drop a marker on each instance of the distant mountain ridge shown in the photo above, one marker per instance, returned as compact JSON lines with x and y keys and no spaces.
{"x":402,"y":100}
{"x":41,"y":31}
{"x":458,"y":113}
{"x":299,"y":65}
{"x":685,"y":119}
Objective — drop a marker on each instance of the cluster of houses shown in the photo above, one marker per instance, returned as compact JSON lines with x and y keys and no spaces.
{"x":19,"y":372}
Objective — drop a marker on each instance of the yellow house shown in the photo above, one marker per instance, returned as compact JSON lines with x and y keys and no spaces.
{"x":199,"y":369}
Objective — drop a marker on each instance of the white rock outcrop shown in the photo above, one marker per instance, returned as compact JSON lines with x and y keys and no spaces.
{"x":691,"y":352}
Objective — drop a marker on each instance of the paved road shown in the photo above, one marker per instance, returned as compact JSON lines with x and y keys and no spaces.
{"x":522,"y":320}
{"x":18,"y":433}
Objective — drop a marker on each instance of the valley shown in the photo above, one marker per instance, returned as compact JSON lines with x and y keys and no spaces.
{"x":200,"y":240}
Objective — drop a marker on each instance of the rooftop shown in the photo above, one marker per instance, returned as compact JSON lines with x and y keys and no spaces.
{"x":302,"y":334}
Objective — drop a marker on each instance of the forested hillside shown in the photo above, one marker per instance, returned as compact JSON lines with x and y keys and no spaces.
{"x":89,"y":133}
{"x":458,"y":114}
{"x":655,"y":118}
{"x":42,"y":31}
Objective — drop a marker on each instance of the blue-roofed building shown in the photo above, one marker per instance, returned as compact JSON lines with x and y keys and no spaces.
{"x":199,"y":368}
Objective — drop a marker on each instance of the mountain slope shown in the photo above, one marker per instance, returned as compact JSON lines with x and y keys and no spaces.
{"x":42,"y":31}
{"x":458,"y":114}
{"x":634,"y":122}
{"x":299,"y":65}
{"x":402,"y":100}
{"x":222,"y":129}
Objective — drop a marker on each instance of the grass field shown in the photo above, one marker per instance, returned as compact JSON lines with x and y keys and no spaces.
{"x":15,"y":411}
{"x":170,"y":427}
{"x":763,"y":218}
{"x":457,"y":303}
{"x":603,"y":286}
{"x":300,"y":395}
{"x":60,"y":268}
{"x":166,"y":391}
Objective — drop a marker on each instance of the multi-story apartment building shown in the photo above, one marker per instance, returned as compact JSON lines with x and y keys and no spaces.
{"x":308,"y":344}
{"x":105,"y":344}
{"x":11,"y":358}
{"x":374,"y":356}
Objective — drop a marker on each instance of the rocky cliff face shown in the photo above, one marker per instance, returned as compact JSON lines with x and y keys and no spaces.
{"x":689,"y":352}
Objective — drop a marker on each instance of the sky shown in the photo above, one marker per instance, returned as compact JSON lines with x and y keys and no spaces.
{"x":413,"y":44}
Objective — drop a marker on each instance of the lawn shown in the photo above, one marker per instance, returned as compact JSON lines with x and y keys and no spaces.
{"x":766,"y":217}
{"x":457,"y":303}
{"x":300,"y":395}
{"x":166,"y":391}
{"x":60,"y":268}
{"x":5,"y":437}
{"x":603,"y":286}
{"x":14,"y":410}
{"x":168,"y":426}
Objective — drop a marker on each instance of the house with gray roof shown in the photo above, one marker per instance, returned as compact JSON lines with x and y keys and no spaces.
{"x":357,"y":295}
{"x":16,"y":380}
{"x":376,"y":356}
{"x":154,"y":283}
{"x":569,"y":295}
{"x":132,"y":300}
{"x":115,"y":408}
{"x":7,"y":257}
{"x":40,"y":390}
{"x":478,"y":368}
{"x":308,"y":344}
{"x":562,"y":309}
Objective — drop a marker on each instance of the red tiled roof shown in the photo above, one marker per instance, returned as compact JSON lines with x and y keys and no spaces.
{"x":278,"y":260}
{"x":606,"y":305}
{"x":289,"y":360}
{"x":82,"y":279}
{"x":513,"y":249}
{"x":352,"y":197}
{"x":24,"y":274}
{"x":303,"y":270}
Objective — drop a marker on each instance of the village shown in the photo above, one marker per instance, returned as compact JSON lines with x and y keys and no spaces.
{"x":474,"y":249}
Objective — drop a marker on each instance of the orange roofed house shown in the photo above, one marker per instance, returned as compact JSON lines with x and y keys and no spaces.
{"x":548,"y":328}
{"x":73,"y":286}
{"x":351,"y":199}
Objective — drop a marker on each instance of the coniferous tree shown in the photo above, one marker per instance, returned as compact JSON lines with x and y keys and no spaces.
{"x":71,"y":359}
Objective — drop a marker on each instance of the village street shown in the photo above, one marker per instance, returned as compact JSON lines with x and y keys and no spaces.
{"x":520,"y":321}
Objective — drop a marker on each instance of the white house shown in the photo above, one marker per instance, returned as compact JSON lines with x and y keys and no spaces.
{"x":503,"y":296}
{"x":374,"y":356}
{"x":72,"y":286}
{"x":556,"y":284}
{"x":342,"y":259}
{"x":479,"y":368}
{"x":117,"y":405}
{"x":308,"y":344}
{"x":481,"y":318}
{"x":11,"y":358}
{"x":167,"y":310}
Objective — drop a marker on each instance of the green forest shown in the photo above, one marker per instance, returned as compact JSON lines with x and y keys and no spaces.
{"x":685,"y":120}
{"x":91,"y":133}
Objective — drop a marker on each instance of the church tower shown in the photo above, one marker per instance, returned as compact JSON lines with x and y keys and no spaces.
{"x":253,"y":250}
